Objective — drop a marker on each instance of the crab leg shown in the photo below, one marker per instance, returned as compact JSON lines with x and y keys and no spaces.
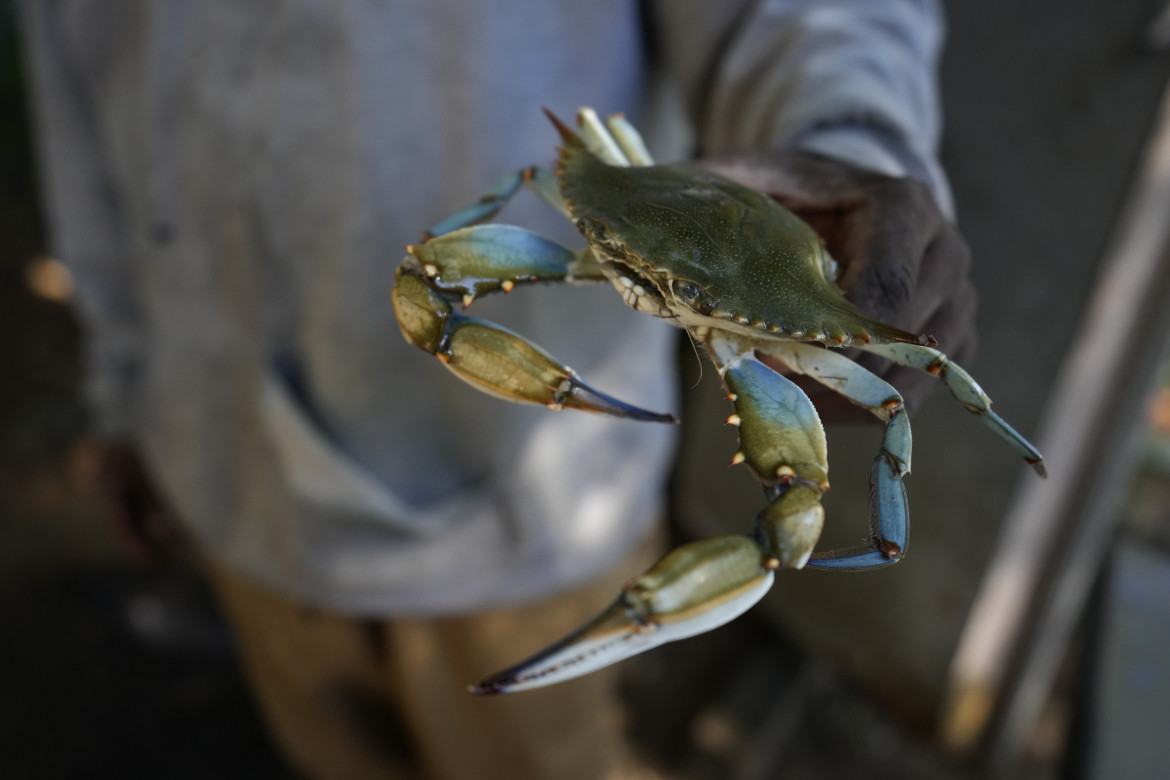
{"x":493,"y":358}
{"x":781,"y":440}
{"x":620,"y":144}
{"x":540,"y":180}
{"x":964,"y":388}
{"x":695,"y":588}
{"x":471,"y":261}
{"x":889,"y":518}
{"x":482,"y":259}
{"x":704,"y":584}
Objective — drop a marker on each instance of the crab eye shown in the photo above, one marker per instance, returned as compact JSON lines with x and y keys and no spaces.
{"x":686,"y":290}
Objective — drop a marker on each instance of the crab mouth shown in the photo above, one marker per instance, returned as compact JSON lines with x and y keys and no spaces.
{"x":639,"y":292}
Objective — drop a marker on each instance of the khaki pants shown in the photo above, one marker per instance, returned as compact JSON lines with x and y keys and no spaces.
{"x":355,"y":698}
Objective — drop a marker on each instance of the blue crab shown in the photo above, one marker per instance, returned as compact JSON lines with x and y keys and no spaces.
{"x":750,"y":281}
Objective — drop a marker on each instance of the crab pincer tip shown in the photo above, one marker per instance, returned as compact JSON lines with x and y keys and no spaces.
{"x":485,"y":689}
{"x":578,"y":395}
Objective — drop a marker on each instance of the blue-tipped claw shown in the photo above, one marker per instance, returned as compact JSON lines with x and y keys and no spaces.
{"x":889,"y":524}
{"x":695,"y":588}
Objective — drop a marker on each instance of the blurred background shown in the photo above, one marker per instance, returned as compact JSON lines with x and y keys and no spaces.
{"x":1024,"y":635}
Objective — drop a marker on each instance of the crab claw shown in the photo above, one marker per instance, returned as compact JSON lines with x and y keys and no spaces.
{"x":494,"y":359}
{"x":695,"y":588}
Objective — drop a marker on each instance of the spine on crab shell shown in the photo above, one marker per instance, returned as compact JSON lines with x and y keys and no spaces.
{"x":577,"y":161}
{"x":591,"y":168}
{"x":569,"y":137}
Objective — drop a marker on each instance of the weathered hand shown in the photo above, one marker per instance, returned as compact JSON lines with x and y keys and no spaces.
{"x":902,"y":261}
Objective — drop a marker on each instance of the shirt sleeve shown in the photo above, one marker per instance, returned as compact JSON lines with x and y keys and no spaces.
{"x":850,"y":79}
{"x":83,"y":215}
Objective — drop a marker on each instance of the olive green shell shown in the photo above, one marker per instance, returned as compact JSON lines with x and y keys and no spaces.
{"x":754,"y":261}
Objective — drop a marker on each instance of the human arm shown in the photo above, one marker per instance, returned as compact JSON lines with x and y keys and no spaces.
{"x":832,"y":108}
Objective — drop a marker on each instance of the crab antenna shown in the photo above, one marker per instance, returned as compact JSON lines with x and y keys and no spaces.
{"x":568,"y":136}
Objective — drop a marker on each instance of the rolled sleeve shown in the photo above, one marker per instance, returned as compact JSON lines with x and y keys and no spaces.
{"x":850,"y":79}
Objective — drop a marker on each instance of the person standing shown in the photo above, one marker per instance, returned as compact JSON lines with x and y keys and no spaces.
{"x":233,"y":184}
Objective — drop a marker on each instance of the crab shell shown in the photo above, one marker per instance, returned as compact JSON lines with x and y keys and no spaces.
{"x":708,"y":251}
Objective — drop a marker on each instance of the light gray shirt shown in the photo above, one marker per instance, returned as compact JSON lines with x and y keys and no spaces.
{"x":233,"y":183}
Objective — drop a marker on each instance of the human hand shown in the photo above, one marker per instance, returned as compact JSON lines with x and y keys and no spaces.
{"x":136,"y":513}
{"x":901,"y":260}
